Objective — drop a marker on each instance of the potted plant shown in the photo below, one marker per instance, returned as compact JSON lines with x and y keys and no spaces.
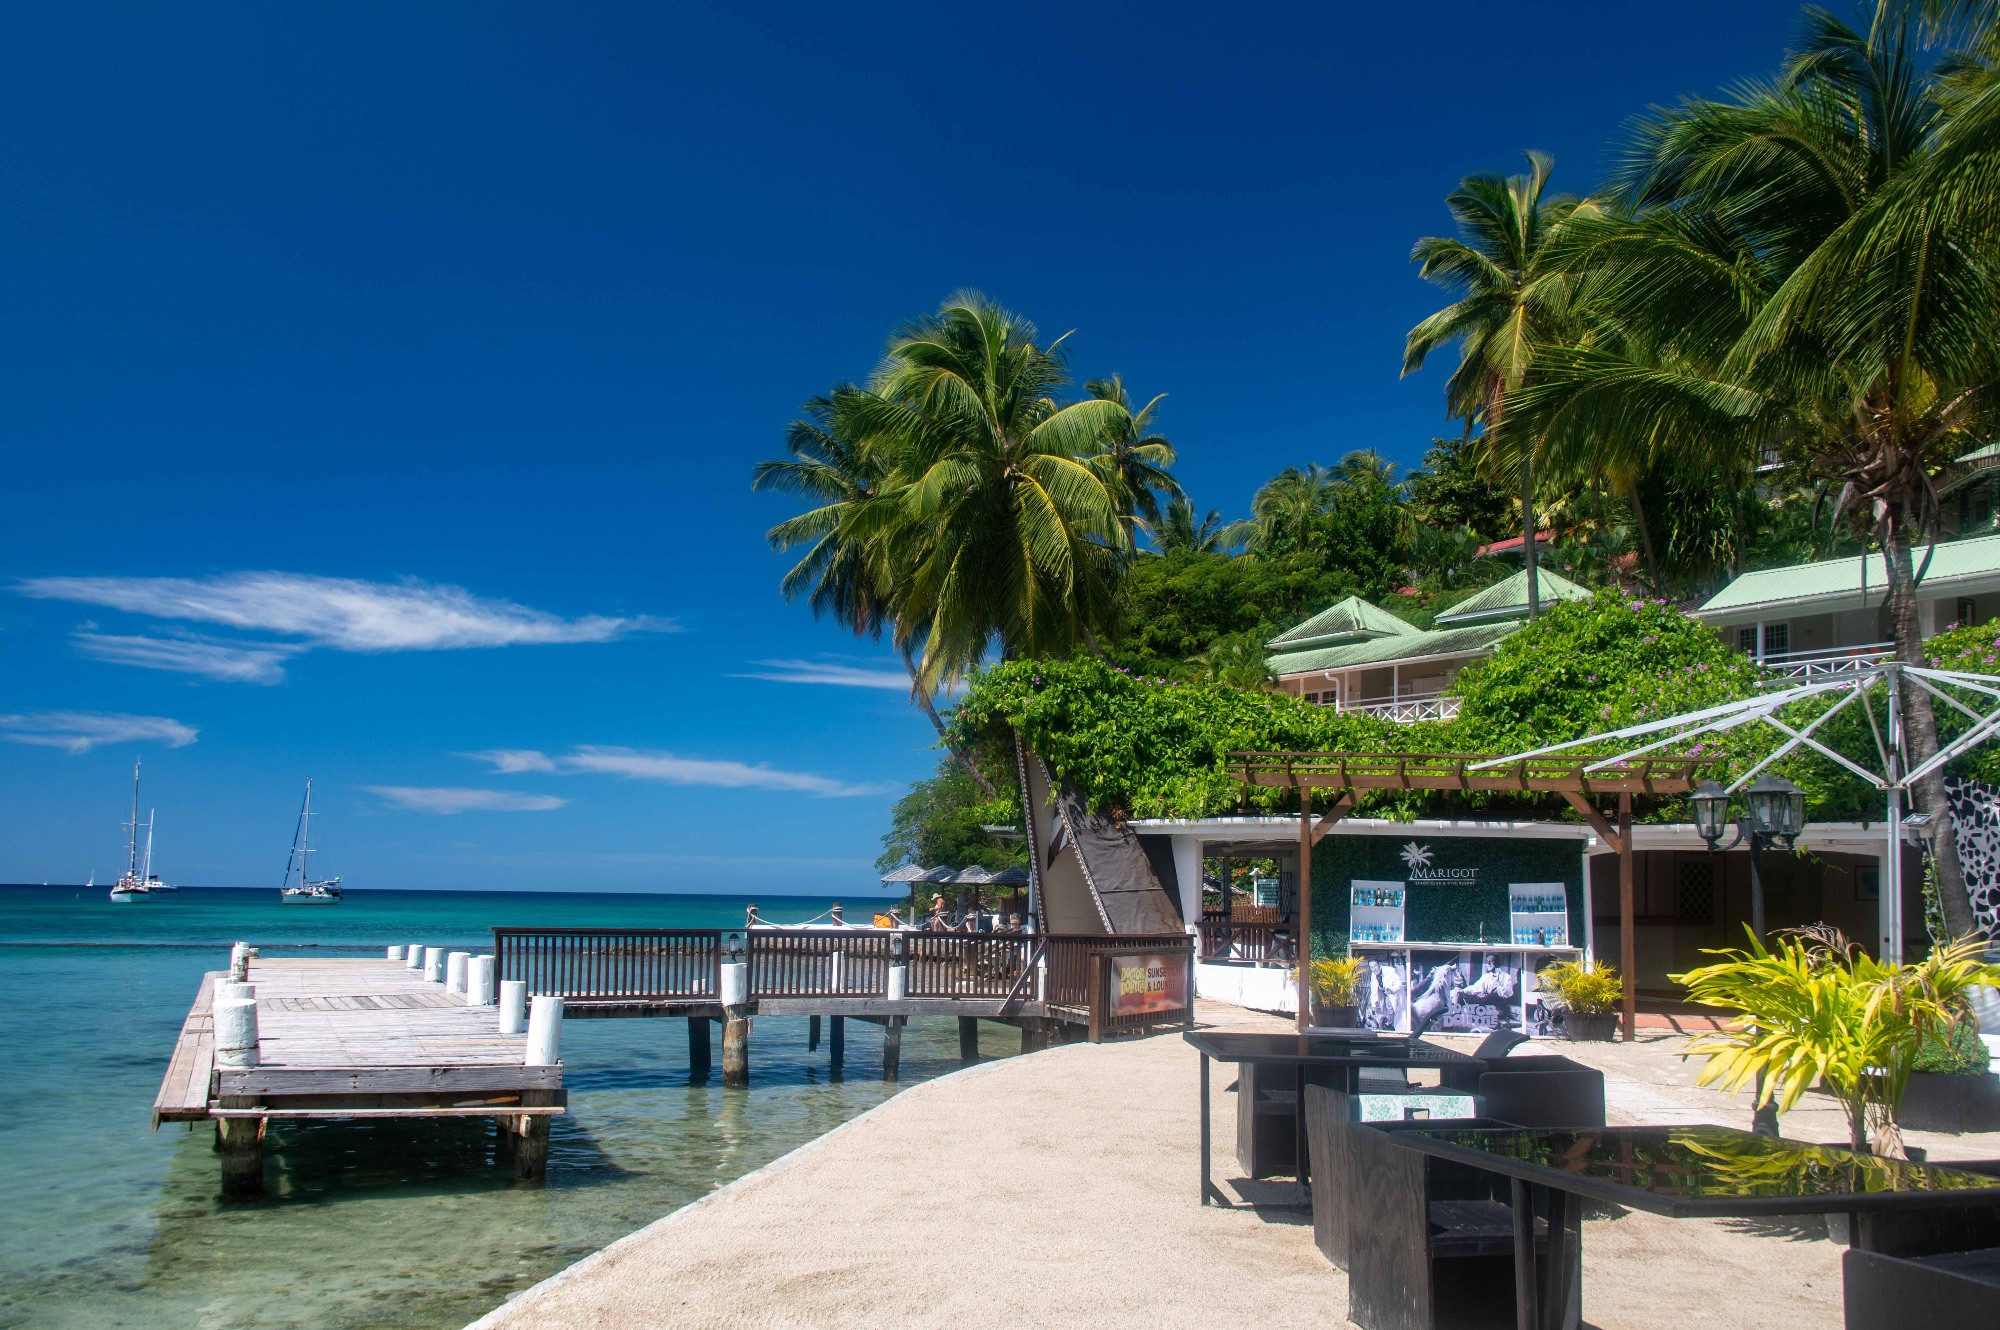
{"x":1951,"y":1086}
{"x":1816,"y":1009}
{"x":1587,"y":998}
{"x":1335,"y":983}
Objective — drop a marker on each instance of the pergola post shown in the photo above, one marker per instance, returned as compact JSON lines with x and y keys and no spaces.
{"x":1304,"y":948}
{"x":1628,"y":945}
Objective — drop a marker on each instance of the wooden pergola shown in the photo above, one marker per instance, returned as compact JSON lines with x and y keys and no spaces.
{"x":1577,"y":779}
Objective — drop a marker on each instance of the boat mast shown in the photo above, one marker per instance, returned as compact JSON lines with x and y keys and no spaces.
{"x":151,"y":813}
{"x":132,"y":828}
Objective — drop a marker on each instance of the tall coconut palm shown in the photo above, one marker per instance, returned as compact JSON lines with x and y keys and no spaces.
{"x":1510,"y":300}
{"x":1287,"y":505}
{"x":1805,"y":272}
{"x":1136,"y":454}
{"x":1010,"y":533}
{"x":1177,"y":530}
{"x":850,"y":533}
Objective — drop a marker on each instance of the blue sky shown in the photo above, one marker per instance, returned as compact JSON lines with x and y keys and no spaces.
{"x":381,"y":383}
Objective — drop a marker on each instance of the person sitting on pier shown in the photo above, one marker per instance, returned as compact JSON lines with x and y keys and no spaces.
{"x":937,"y":922}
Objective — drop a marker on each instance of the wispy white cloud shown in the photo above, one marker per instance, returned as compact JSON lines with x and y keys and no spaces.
{"x":509,"y":761}
{"x":447,"y":799}
{"x":231,"y":662}
{"x":833,"y":672}
{"x":81,"y":731}
{"x":672,"y":769}
{"x":339,"y":614}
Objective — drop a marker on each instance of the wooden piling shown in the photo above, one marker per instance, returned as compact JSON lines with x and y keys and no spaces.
{"x":892,"y":1048}
{"x":812,"y":1033}
{"x":531,"y":1138}
{"x":836,"y":1042}
{"x":701,"y":1058}
{"x":968,"y":1039}
{"x":736,"y":1051}
{"x":241,"y":1142}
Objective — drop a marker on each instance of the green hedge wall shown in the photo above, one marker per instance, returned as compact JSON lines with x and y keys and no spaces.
{"x":1441,"y":912}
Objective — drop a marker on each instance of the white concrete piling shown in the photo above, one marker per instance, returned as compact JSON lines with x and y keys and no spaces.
{"x":544,"y":1031}
{"x":395,"y":953}
{"x":434,"y":964}
{"x":735,"y":983}
{"x":899,"y":984}
{"x":236,"y":1033}
{"x":413,"y":956}
{"x":239,"y":961}
{"x":513,"y":1006}
{"x":454,"y":971}
{"x":234,"y":989}
{"x":479,"y":982}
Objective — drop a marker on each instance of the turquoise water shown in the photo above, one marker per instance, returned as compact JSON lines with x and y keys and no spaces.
{"x":366,"y":1225}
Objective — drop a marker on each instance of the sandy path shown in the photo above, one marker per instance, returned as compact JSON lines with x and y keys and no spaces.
{"x":1059,"y":1190}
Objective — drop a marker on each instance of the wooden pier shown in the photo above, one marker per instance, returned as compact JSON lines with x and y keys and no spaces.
{"x":366,"y":1038}
{"x":355,"y":1038}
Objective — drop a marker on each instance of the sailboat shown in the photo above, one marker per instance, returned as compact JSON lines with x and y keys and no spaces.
{"x":140,"y":882}
{"x":307,"y":892}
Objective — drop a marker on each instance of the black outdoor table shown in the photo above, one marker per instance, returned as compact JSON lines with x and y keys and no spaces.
{"x":1683,"y":1173}
{"x":1352,"y":1052}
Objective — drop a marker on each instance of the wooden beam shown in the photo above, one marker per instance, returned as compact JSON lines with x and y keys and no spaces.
{"x":1303,"y":945}
{"x":1592,"y":818}
{"x":1341,"y":807}
{"x":494,"y":1111}
{"x":262,"y":1082}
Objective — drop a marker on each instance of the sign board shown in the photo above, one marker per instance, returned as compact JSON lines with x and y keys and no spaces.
{"x":1141,"y":984}
{"x":1264,"y":891}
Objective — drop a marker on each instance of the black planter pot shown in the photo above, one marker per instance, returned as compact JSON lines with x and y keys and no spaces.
{"x":1934,"y":1101}
{"x":1339,"y":1018}
{"x":1595,"y":1027}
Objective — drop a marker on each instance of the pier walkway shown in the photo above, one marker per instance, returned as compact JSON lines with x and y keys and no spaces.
{"x":369,"y":1038}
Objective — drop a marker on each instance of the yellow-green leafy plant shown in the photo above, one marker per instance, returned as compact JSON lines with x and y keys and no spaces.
{"x":1585,"y":992}
{"x":1815,"y":1009}
{"x":1336,"y":980}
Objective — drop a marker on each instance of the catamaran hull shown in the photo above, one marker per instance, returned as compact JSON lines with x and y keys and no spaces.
{"x":290,"y":899}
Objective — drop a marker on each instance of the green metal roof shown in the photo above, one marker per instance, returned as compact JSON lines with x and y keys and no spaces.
{"x":1342,"y":622}
{"x":1852,"y":583}
{"x":1508,"y":599}
{"x":1389,"y":650}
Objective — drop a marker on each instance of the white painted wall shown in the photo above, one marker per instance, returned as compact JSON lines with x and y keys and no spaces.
{"x":1187,"y":868}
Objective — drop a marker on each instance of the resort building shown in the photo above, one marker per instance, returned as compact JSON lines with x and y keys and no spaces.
{"x":1825,"y":617}
{"x":1359,"y":657}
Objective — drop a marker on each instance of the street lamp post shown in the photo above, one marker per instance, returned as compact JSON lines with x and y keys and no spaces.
{"x":1774,"y":810}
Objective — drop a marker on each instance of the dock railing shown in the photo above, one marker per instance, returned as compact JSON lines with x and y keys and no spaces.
{"x":611,"y":963}
{"x":627,"y":966}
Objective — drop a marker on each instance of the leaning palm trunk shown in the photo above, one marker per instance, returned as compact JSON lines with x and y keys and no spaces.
{"x":922,"y":697}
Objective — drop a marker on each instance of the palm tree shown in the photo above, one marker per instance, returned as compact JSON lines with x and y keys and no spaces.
{"x":850,"y":533}
{"x":1137,"y":456}
{"x":1510,"y":301}
{"x":1806,"y":270}
{"x":1011,"y":531}
{"x":1286,"y":506}
{"x":1177,"y":531}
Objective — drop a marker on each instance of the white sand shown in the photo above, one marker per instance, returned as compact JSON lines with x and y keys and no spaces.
{"x":1060,"y":1190}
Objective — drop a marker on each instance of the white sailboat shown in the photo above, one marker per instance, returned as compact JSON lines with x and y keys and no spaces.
{"x":140,"y":882}
{"x":307,"y":892}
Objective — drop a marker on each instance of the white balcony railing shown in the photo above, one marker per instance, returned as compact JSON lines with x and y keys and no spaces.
{"x":1404,"y":710}
{"x":1801,"y":666}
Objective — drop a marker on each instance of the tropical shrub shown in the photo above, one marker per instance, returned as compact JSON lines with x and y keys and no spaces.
{"x":1816,"y":1010}
{"x":1336,"y":980}
{"x":1585,"y":992}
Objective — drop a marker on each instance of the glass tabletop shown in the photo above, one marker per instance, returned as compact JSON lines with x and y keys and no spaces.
{"x":1707,"y":1170}
{"x":1387,"y":1051}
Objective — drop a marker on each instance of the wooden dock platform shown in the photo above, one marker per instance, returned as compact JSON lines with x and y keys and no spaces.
{"x":356,"y":1038}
